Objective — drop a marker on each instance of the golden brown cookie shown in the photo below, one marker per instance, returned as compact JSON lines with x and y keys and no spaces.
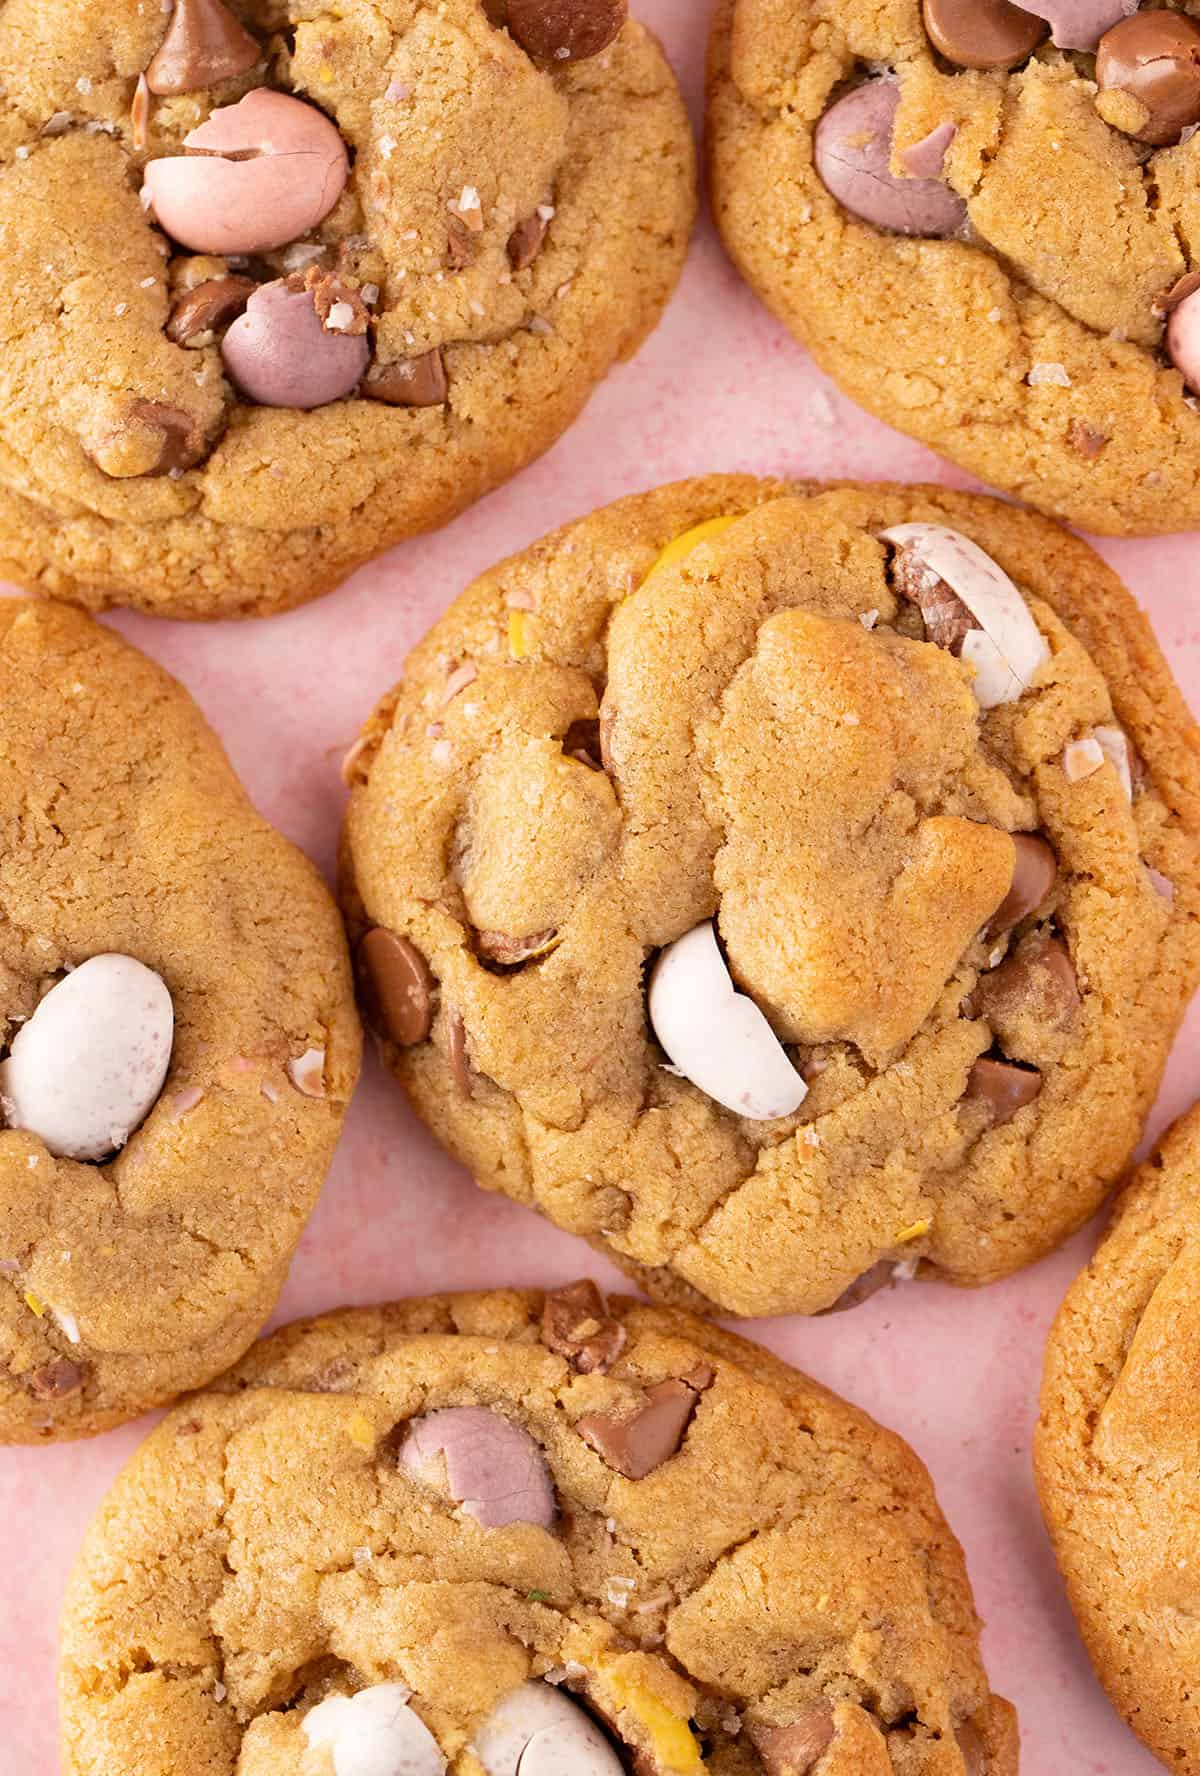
{"x":179,"y":1039}
{"x":283,"y":286}
{"x":919,"y":1044}
{"x":980,"y":244}
{"x":443,"y":1533}
{"x":1116,"y":1451}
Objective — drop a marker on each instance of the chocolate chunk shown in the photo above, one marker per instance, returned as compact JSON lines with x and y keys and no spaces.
{"x":582,"y":743}
{"x":947,"y":619}
{"x":1155,"y":58}
{"x":510,"y":952}
{"x":525,"y":241}
{"x":408,"y":382}
{"x":565,"y":30}
{"x":204,"y":44}
{"x":644,"y":1439}
{"x":796,"y":1749}
{"x":203,"y":311}
{"x":982,"y":33}
{"x":1034,"y":873}
{"x":880,"y":1276}
{"x":153,"y":439}
{"x":459,"y":1065}
{"x":461,"y":243}
{"x":396,"y":986}
{"x":56,"y":1380}
{"x":576,"y":1324}
{"x":1038,"y":977}
{"x":1002,"y":1087}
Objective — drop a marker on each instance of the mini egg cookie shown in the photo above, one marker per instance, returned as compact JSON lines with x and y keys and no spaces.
{"x":786,"y":889}
{"x":459,"y":1537}
{"x":1118,"y":1451}
{"x":284,"y":285}
{"x":179,"y":1039}
{"x":982,"y":220}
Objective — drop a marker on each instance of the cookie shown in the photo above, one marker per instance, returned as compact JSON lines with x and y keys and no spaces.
{"x":912,"y":1042}
{"x":179,"y":1037}
{"x":283,"y":286}
{"x":461,"y":1534}
{"x":1116,"y":1451}
{"x":980,"y":219}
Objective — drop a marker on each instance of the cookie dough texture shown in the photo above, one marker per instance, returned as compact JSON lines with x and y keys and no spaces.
{"x":773,"y":760}
{"x":1029,"y":351}
{"x":1117,"y":1446}
{"x":122,"y":1283}
{"x":266,"y":1547}
{"x":433,"y":102}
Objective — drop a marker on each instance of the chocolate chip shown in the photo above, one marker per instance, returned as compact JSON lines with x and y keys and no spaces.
{"x":459,"y":1065}
{"x":576,"y":1324}
{"x":880,"y":1276}
{"x":153,"y":439}
{"x":1155,"y":58}
{"x":461,"y":243}
{"x":982,"y":33}
{"x":396,"y":986}
{"x":947,"y":619}
{"x":510,"y":952}
{"x":640,"y":1442}
{"x":204,"y":44}
{"x":525,"y":241}
{"x":565,"y":30}
{"x":408,"y":382}
{"x":55,"y":1381}
{"x":1002,"y":1087}
{"x":203,"y":311}
{"x":1038,"y":977}
{"x":796,"y":1749}
{"x":1087,"y":439}
{"x":1035,"y":871}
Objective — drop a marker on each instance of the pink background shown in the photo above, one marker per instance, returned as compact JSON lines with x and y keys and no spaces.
{"x":718,"y":387}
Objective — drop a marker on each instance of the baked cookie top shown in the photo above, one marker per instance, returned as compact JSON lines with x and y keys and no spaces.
{"x":981,"y":219}
{"x":283,"y":285}
{"x":1116,"y":1451}
{"x":461,"y":1534}
{"x":179,"y":1036}
{"x":910,"y":1039}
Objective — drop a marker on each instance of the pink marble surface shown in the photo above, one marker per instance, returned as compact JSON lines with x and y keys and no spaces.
{"x":719,"y":386}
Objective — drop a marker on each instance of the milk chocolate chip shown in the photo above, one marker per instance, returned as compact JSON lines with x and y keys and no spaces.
{"x":1155,"y":58}
{"x":408,"y":382}
{"x":1038,"y":978}
{"x":642,"y":1441}
{"x":153,"y":439}
{"x":525,"y":241}
{"x":508,"y":951}
{"x":796,"y":1749}
{"x":56,"y":1380}
{"x":204,"y":44}
{"x":869,"y":1283}
{"x":397,"y":986}
{"x":576,"y":1324}
{"x":1034,"y":874}
{"x":565,"y":30}
{"x":203,"y":311}
{"x":1002,"y":1087}
{"x":982,"y":33}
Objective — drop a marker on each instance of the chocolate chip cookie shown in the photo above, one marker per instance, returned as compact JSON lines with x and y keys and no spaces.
{"x":981,"y":218}
{"x":461,"y":1534}
{"x":283,"y":285}
{"x":179,"y":1039}
{"x":1116,"y":1451}
{"x":784,"y":888}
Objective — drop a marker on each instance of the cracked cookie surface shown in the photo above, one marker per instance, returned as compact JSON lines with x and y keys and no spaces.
{"x":508,"y":229}
{"x":721,"y":699}
{"x":1116,"y":1451}
{"x":126,"y":835}
{"x":270,"y":1547}
{"x":1031,"y":345}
